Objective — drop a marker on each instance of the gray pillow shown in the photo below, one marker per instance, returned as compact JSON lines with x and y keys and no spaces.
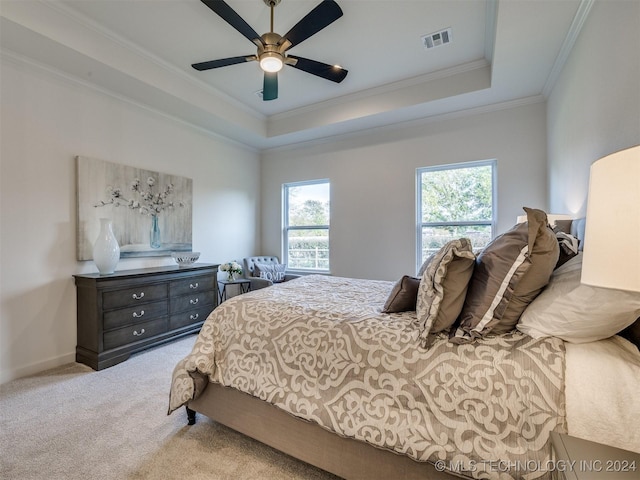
{"x":510,"y":272}
{"x":274,"y":272}
{"x":403,"y":296}
{"x":443,"y":288}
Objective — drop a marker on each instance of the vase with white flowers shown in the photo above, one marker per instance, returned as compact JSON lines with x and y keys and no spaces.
{"x":146,"y":201}
{"x":232,"y":269}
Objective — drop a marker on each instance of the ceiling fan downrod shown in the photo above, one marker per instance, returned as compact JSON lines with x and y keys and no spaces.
{"x":271,"y":53}
{"x":271,"y":4}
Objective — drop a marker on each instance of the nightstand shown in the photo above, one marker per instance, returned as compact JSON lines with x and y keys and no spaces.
{"x":244,"y":286}
{"x":578,"y":459}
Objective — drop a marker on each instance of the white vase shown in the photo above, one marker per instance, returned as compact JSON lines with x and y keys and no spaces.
{"x":106,"y":251}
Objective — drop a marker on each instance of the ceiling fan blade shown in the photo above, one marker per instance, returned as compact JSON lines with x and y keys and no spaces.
{"x":223,"y":62}
{"x":270,"y":86}
{"x":320,"y":17}
{"x":329,"y":72}
{"x":230,"y":16}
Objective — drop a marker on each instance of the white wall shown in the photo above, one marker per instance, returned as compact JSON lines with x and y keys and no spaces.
{"x":373,"y":178}
{"x":46,"y":121}
{"x":594,"y":107}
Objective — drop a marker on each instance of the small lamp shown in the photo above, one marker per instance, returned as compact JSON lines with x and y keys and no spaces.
{"x":612,"y":235}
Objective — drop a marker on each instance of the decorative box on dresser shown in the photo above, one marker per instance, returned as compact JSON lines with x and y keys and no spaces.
{"x":130,"y":310}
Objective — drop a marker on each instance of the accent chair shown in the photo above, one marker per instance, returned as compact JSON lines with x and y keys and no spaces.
{"x":251,"y":271}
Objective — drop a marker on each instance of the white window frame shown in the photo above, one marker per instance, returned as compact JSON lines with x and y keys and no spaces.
{"x":453,"y":166}
{"x":286,"y":227}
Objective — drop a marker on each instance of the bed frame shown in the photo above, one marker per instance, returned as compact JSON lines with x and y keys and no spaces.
{"x":306,"y":441}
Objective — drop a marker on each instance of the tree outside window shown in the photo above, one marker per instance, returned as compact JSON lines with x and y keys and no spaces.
{"x":306,"y":225}
{"x":455,"y":201}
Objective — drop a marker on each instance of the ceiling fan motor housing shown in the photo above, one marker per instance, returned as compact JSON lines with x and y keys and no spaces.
{"x":271,"y":53}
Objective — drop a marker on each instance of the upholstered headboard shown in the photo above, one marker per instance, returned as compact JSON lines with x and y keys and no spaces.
{"x":573,"y":227}
{"x":577,"y":230}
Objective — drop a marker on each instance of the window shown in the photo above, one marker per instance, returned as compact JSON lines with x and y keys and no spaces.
{"x":455,"y":201}
{"x":306,"y":225}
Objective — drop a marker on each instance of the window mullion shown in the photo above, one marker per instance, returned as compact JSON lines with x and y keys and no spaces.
{"x":308,"y":227}
{"x":469,"y":223}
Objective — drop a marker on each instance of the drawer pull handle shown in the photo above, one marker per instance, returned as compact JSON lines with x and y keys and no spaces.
{"x":138,"y":297}
{"x":136,"y":334}
{"x":191,"y":285}
{"x":194,"y":317}
{"x":194,"y":302}
{"x":138,"y":315}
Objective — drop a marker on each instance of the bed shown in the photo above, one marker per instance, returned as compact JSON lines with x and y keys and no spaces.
{"x":317,"y":368}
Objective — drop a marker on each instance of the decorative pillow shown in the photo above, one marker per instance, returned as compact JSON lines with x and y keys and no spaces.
{"x":270,"y":271}
{"x":443,"y":287}
{"x":568,"y":247}
{"x":562,"y":226}
{"x":578,"y":313}
{"x":510,"y":272}
{"x":403,"y":295}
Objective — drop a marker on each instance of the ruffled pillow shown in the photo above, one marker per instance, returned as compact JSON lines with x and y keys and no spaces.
{"x":510,"y":272}
{"x":443,"y":287}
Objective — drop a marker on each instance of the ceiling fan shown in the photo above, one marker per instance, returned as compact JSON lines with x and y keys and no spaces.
{"x":272,"y":47}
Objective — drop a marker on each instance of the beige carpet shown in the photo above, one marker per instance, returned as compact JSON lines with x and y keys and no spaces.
{"x":74,"y":423}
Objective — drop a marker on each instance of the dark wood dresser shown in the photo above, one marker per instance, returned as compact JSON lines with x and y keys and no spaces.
{"x":130,"y":310}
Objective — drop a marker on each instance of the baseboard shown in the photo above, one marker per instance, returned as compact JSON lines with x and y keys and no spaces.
{"x":37,"y":367}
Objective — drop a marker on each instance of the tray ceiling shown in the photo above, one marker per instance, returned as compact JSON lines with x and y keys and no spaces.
{"x":501,"y":51}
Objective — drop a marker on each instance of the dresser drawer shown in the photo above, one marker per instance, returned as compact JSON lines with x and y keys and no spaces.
{"x":189,"y":302}
{"x":190,"y":317}
{"x":134,"y":315}
{"x":134,"y":333}
{"x":185,"y":286}
{"x":134,"y":296}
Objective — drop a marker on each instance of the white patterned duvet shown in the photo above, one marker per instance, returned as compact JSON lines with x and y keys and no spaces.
{"x":319,"y":348}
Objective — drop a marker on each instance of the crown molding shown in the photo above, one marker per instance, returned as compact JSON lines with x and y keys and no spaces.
{"x":572,"y":36}
{"x":490,"y":28}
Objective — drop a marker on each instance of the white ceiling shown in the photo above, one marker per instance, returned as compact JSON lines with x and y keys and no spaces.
{"x":502,"y":51}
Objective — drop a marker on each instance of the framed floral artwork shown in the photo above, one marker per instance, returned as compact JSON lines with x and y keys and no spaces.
{"x":151,"y":211}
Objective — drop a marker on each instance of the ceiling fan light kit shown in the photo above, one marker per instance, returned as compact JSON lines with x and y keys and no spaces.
{"x":271,"y":62}
{"x":272,"y":47}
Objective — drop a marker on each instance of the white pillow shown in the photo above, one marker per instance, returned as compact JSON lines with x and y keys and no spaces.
{"x":578,"y":313}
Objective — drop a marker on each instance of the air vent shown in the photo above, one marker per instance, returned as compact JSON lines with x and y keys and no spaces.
{"x":437,"y":39}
